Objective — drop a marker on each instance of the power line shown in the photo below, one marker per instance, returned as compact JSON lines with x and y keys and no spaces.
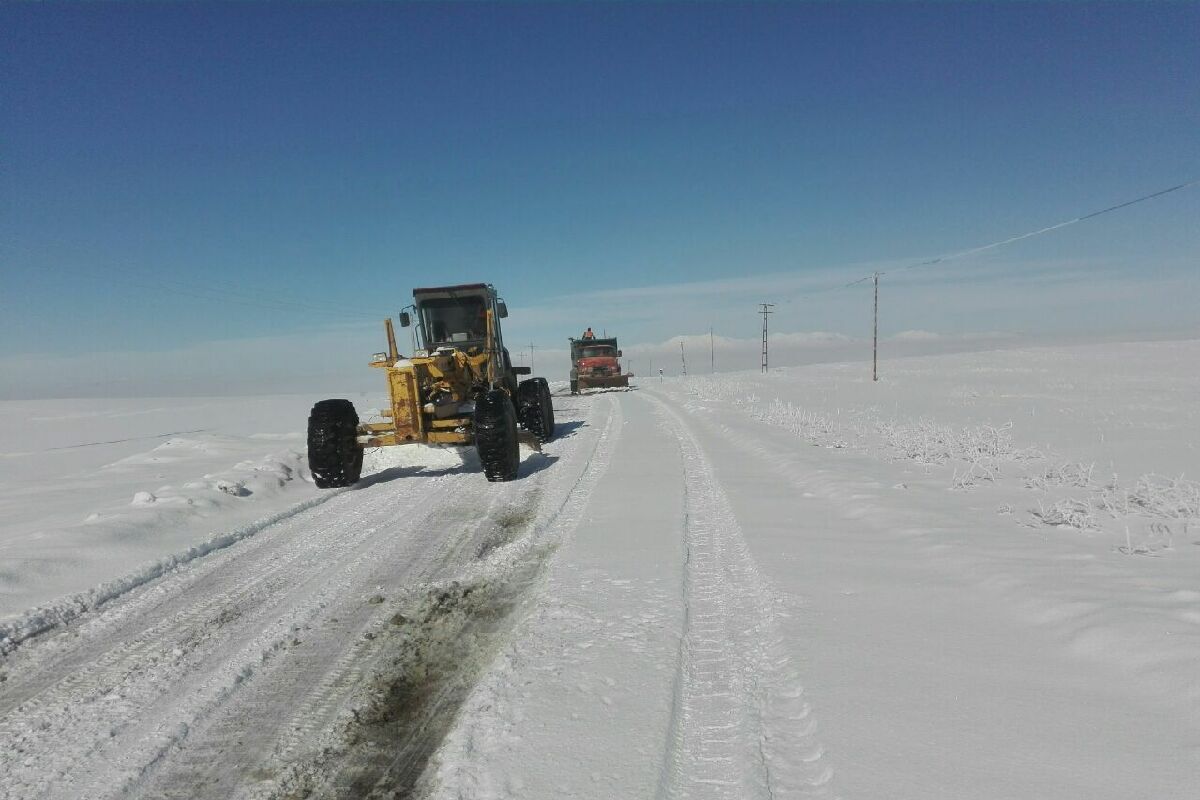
{"x":1030,"y":234}
{"x":874,"y":277}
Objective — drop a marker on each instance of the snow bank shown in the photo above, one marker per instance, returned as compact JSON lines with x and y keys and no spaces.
{"x":100,"y":496}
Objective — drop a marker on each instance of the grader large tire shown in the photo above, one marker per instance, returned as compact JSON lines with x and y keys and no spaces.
{"x":547,"y":411}
{"x":535,"y":409}
{"x":496,"y":436}
{"x":334,"y":457}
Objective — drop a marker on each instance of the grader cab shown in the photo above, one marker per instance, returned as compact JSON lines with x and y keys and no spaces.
{"x":457,"y":388}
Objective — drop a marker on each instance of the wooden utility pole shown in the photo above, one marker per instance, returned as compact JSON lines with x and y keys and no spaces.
{"x":682,"y":357}
{"x":875,"y":333}
{"x":531,"y":357}
{"x":712,"y":352}
{"x":765,"y":310}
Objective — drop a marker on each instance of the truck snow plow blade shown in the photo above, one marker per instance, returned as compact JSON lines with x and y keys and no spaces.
{"x":598,"y":382}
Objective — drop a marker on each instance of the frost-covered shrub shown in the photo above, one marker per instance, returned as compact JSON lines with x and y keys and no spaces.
{"x":720,"y":390}
{"x":1155,"y":538}
{"x":985,"y":447}
{"x":800,"y":421}
{"x":1067,"y":474}
{"x":812,"y":426}
{"x":1067,"y":513}
{"x":1167,"y":497}
{"x":978,"y":471}
{"x":1153,"y":495}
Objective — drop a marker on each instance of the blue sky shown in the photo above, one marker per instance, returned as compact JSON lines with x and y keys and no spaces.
{"x":177,"y":179}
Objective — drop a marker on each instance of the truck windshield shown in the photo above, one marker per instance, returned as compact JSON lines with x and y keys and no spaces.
{"x":452,"y":320}
{"x":594,"y":352}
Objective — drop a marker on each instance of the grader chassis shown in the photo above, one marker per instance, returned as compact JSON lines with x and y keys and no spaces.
{"x":458,"y":388}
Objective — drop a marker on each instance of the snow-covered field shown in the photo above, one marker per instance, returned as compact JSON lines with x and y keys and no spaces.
{"x":978,"y":577}
{"x":97,"y":495}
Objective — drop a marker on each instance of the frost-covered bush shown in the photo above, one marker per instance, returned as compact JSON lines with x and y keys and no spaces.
{"x":800,"y":421}
{"x":720,"y":390}
{"x":985,"y":447}
{"x":976,"y":472}
{"x":1153,"y":495}
{"x":1067,"y":474}
{"x":812,"y":426}
{"x":1067,"y":513}
{"x":1154,"y":539}
{"x":1174,"y":499}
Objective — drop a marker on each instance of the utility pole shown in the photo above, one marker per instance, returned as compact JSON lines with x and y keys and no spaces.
{"x":531,"y":357}
{"x":875,"y":333}
{"x":765,"y":310}
{"x":712,"y":352}
{"x":682,"y":357}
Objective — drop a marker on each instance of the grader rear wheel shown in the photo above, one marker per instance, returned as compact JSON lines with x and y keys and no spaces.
{"x":496,"y":436}
{"x":547,"y":410}
{"x":535,"y":408}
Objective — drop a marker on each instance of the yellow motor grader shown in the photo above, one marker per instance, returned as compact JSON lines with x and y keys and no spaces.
{"x":459,"y":387}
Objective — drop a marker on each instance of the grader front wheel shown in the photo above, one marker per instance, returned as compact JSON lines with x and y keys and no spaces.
{"x":334,"y":457}
{"x":496,"y":436}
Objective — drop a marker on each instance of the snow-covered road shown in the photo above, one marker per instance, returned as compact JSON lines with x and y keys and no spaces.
{"x":739,"y":617}
{"x":682,"y":597}
{"x":287,"y":662}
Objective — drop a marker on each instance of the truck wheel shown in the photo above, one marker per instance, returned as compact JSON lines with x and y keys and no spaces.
{"x":496,"y":436}
{"x":334,"y":457}
{"x":535,"y":409}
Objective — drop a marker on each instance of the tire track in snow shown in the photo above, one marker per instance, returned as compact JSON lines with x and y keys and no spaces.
{"x":740,"y":726}
{"x":44,"y":619}
{"x":108,"y":705}
{"x":426,"y":668}
{"x":120,"y":630}
{"x":451,"y":770}
{"x":71,"y":658}
{"x":313,"y":679}
{"x":128,"y":702}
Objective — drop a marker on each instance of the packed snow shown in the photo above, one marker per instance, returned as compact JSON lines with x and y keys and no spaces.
{"x":975,"y":577}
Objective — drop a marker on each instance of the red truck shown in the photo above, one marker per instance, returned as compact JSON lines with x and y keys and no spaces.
{"x":594,"y":364}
